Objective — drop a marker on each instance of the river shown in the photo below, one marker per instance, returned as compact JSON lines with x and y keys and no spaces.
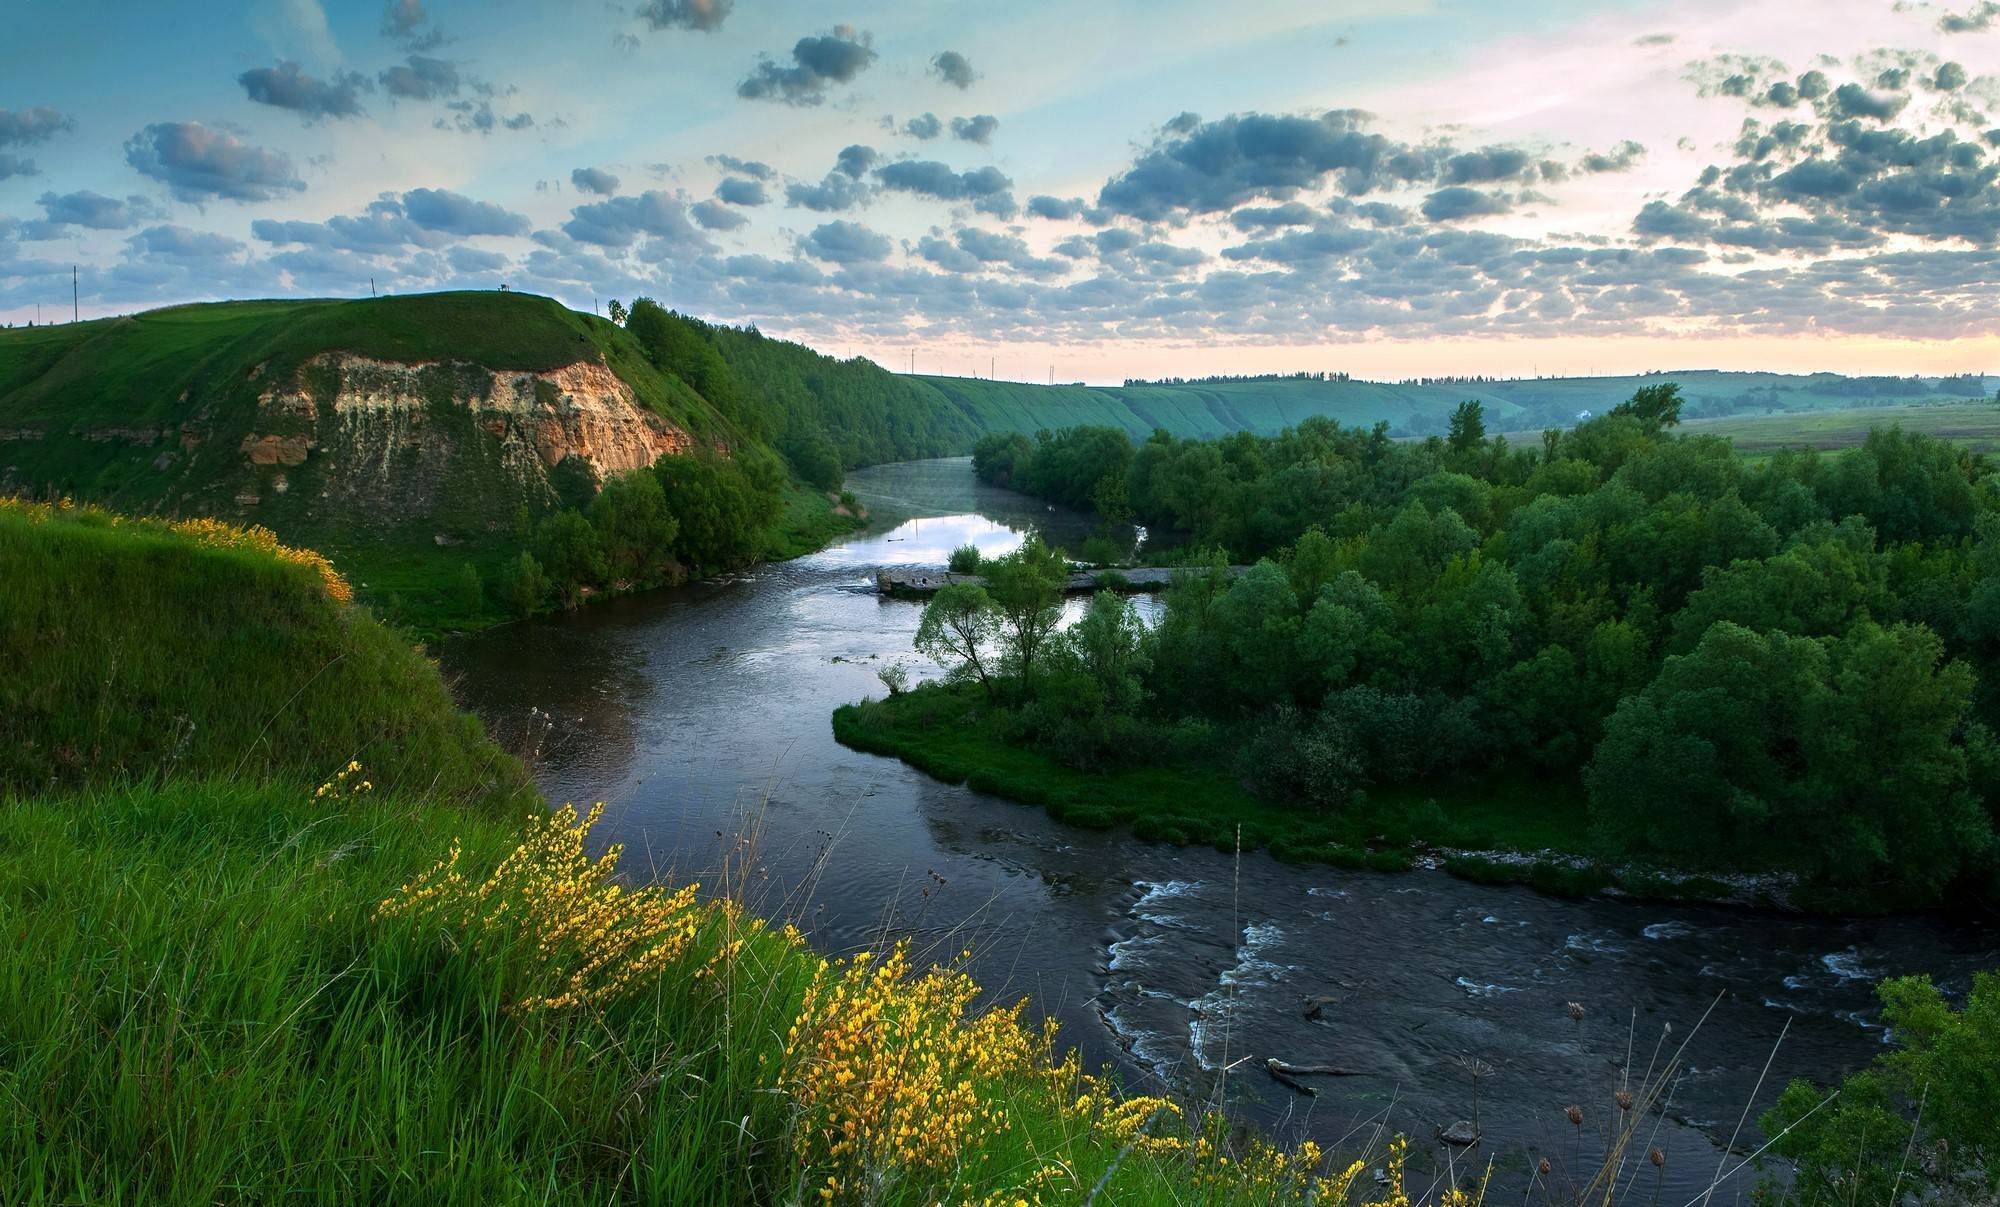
{"x":700,"y":716}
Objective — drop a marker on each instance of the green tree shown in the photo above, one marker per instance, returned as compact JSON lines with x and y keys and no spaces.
{"x":470,"y":591}
{"x":1468,"y":427}
{"x":959,"y":624}
{"x":570,"y":554}
{"x":617,"y":311}
{"x":633,"y":526}
{"x":523,"y":585}
{"x":1655,"y":407}
{"x":1109,"y":643}
{"x":965,"y":559}
{"x":1026,"y":587}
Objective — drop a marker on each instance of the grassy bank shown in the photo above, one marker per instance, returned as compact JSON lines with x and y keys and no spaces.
{"x":952,"y":733}
{"x":281,"y":924}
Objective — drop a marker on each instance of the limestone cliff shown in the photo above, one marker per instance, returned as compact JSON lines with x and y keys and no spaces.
{"x":377,"y":443}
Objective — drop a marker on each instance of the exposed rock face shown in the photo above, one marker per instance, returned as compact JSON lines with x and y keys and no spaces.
{"x":389,"y":442}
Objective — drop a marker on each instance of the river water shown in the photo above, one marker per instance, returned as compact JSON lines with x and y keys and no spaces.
{"x":700,"y":716}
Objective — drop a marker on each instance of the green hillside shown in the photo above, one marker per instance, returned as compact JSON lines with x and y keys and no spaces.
{"x":1264,"y":406}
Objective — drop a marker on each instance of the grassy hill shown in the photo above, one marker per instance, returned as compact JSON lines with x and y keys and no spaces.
{"x":1265,"y":406}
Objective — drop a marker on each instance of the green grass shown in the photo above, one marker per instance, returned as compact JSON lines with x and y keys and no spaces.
{"x":201,"y":1002}
{"x":1974,"y":425}
{"x":134,"y":652}
{"x":950,"y":733}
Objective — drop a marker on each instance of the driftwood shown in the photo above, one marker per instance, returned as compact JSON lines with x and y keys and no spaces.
{"x":1285,"y":1079}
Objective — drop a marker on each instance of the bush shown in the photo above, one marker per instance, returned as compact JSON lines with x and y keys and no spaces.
{"x":965,"y":559}
{"x":523,"y":585}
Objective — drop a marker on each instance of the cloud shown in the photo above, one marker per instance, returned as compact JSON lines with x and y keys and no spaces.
{"x":473,"y":260}
{"x":838,"y":191}
{"x":1852,"y":100}
{"x":818,"y":63}
{"x":421,"y":78}
{"x":1196,"y":167}
{"x":1457,"y":202}
{"x":1619,"y":159}
{"x":1486,"y":165}
{"x":704,"y":15}
{"x":954,"y":69}
{"x":14,"y":165}
{"x":1256,"y":218}
{"x":855,"y":160}
{"x":171,"y":242}
{"x":978,"y":128}
{"x":714,"y":215}
{"x":23,"y":127}
{"x":1041,"y":205}
{"x":925,"y":126}
{"x":737,"y":191}
{"x":593,"y":180}
{"x":457,"y":214}
{"x":200,"y":163}
{"x":620,"y":221}
{"x":987,"y":188}
{"x":753,"y":168}
{"x":93,"y":211}
{"x":1977,"y":19}
{"x":287,"y":86}
{"x":842,"y":242}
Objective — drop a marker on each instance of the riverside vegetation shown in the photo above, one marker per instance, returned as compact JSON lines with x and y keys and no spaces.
{"x":283,"y":923}
{"x":1624,"y":642}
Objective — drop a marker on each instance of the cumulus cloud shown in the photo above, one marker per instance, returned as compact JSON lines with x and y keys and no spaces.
{"x":287,"y":86}
{"x":1197,"y":167}
{"x":15,"y":165}
{"x":93,"y":211}
{"x":855,"y":160}
{"x":1457,"y":202}
{"x":202,"y":163}
{"x":1257,"y":218}
{"x":1977,"y":19}
{"x":457,"y":214}
{"x":735,"y":190}
{"x":978,"y":128}
{"x":421,"y":78}
{"x":842,"y":242}
{"x":621,"y":221}
{"x":925,"y":126}
{"x":593,"y":180}
{"x":704,"y":15}
{"x":954,"y":69}
{"x":838,"y":191}
{"x":22,"y":127}
{"x":1618,"y":159}
{"x":988,"y":189}
{"x":818,"y":63}
{"x":714,"y":215}
{"x":753,"y":168}
{"x":172,"y":242}
{"x":1041,"y":205}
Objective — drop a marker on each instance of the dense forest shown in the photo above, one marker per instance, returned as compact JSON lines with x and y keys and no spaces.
{"x":1775,"y":666}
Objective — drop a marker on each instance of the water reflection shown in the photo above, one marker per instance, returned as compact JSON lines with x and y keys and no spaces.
{"x":700,"y":715}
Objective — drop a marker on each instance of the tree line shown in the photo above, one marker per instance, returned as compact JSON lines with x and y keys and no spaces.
{"x":1776,"y":665}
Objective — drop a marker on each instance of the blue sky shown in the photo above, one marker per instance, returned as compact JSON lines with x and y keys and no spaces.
{"x":1386,"y":187}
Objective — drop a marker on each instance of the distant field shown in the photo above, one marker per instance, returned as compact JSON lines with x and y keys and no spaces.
{"x":1975,"y":425}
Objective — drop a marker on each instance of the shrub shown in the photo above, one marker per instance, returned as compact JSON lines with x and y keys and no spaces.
{"x":965,"y":559}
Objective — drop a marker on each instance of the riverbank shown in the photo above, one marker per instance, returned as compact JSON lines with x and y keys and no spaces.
{"x":1504,"y":831}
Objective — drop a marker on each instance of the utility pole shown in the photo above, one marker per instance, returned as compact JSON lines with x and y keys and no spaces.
{"x":992,"y":371}
{"x":371,"y":287}
{"x":75,"y":305}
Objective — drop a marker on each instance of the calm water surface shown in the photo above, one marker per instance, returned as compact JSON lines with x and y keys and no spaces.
{"x":700,"y":716}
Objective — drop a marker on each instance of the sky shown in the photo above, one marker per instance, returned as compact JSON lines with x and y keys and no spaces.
{"x":1048,"y":188}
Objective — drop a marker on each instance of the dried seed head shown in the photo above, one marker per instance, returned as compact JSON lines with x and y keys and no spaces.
{"x":1624,"y":1099}
{"x":1576,"y":1012}
{"x":1575,"y":1114}
{"x":1658,"y":1158}
{"x":1545,"y":1168}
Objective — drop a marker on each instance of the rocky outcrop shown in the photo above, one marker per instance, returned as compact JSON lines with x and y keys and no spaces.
{"x":410,"y":441}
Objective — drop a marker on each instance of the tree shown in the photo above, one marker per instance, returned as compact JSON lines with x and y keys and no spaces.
{"x":617,"y":312}
{"x":570,"y":554}
{"x":1655,"y":407}
{"x":1109,"y":643}
{"x":522,"y":584}
{"x":1026,"y":587}
{"x":965,"y":559}
{"x":1468,"y":427}
{"x":633,"y":525}
{"x":471,"y":593}
{"x":958,"y":624}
